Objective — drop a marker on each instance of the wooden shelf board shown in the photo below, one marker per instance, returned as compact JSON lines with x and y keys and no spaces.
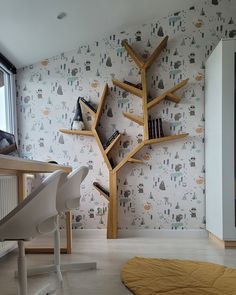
{"x":145,"y":109}
{"x":135,"y":56}
{"x":144,"y":143}
{"x":137,"y":119}
{"x":178,"y":86}
{"x":169,"y":94}
{"x":77,"y":132}
{"x":128,"y":156}
{"x":173,"y":97}
{"x":143,"y":65}
{"x":134,"y":160}
{"x":165,"y":138}
{"x":156,"y":53}
{"x":106,"y":196}
{"x":100,"y":106}
{"x":88,"y":108}
{"x":107,"y":150}
{"x":128,"y":88}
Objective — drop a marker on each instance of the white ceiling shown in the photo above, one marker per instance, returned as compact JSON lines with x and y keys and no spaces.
{"x":30,"y":30}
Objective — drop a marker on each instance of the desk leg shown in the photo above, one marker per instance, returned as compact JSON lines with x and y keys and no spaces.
{"x":21,"y":187}
{"x":68,"y":233}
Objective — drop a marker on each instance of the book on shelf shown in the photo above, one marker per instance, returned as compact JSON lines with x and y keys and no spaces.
{"x":155,"y":129}
{"x":101,"y":188}
{"x":138,"y":85}
{"x":150,"y":128}
{"x":110,"y":139}
{"x":88,"y":104}
{"x":160,"y":128}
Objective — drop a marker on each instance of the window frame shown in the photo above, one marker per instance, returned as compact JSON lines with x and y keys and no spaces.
{"x":10,"y":102}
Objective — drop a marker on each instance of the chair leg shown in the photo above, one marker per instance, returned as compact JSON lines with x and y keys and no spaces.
{"x":57,"y":266}
{"x":22,"y":269}
{"x":22,"y":274}
{"x":57,"y":253}
{"x":46,"y":290}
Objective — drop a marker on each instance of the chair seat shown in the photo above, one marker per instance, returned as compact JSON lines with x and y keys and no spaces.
{"x":32,"y":217}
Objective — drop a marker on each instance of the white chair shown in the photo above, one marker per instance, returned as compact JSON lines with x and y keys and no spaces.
{"x":68,"y":198}
{"x":35,"y":216}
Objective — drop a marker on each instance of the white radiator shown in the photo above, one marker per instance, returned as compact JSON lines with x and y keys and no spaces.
{"x":8,"y":201}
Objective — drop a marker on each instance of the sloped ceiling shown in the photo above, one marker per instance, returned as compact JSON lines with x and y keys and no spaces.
{"x":30,"y":30}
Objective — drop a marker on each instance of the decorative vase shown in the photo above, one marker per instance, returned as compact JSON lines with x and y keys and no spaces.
{"x":77,"y":123}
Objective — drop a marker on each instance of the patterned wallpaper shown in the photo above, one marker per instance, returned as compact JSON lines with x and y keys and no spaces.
{"x":167,"y":192}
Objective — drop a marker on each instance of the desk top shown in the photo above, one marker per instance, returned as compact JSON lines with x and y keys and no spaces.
{"x":15,"y":164}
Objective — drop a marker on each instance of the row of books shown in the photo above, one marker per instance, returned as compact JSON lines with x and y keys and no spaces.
{"x":110,"y":139}
{"x":155,"y":129}
{"x":88,"y":104}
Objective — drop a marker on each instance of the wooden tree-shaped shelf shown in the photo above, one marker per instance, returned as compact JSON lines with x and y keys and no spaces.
{"x":143,"y":65}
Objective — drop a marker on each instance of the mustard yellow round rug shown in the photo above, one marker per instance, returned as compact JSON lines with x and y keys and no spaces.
{"x":150,"y":276}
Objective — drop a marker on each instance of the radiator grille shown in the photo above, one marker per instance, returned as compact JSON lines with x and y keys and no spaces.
{"x":8,"y":201}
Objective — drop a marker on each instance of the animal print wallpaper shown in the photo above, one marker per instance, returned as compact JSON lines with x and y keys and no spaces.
{"x":167,"y":192}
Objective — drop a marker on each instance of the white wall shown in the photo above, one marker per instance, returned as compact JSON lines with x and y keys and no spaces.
{"x":169,"y":191}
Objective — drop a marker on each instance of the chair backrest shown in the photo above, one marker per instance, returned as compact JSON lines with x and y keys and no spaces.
{"x":36,"y":214}
{"x":68,"y":195}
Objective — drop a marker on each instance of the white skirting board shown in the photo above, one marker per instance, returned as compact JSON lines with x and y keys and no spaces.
{"x":142,"y":233}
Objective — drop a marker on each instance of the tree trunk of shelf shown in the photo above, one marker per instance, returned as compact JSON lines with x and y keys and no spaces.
{"x":112,"y":207}
{"x":145,"y":110}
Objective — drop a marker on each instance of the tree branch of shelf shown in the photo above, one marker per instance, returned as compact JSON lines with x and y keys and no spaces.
{"x":145,"y":109}
{"x":155,"y":53}
{"x":107,"y":150}
{"x":165,"y":138}
{"x":128,"y":88}
{"x":172,"y":97}
{"x":136,"y":119}
{"x":169,"y":94}
{"x":77,"y":132}
{"x":88,"y":108}
{"x":128,"y":156}
{"x":102,"y":149}
{"x":100,"y":106}
{"x":103,"y":192}
{"x":134,"y":160}
{"x":144,"y":143}
{"x":135,"y":56}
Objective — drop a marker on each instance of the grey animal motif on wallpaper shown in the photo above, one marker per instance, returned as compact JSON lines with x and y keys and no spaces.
{"x":173,"y":172}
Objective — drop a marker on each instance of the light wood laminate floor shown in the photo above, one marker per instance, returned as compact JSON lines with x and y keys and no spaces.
{"x":110,"y":256}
